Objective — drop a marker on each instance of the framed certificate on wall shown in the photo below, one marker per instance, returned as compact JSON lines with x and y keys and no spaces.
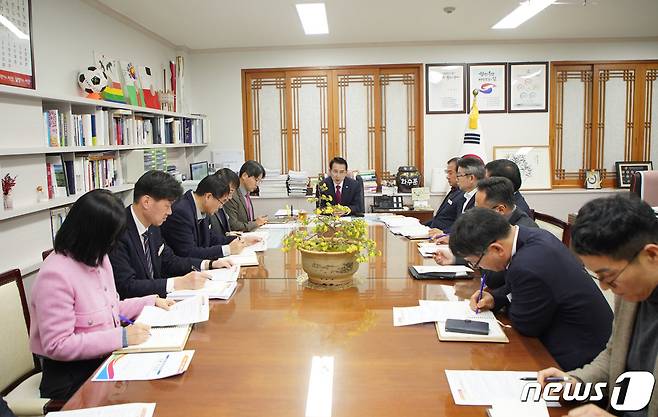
{"x":16,"y":55}
{"x":528,"y":87}
{"x":489,"y":82}
{"x":534,"y":163}
{"x":445,"y":86}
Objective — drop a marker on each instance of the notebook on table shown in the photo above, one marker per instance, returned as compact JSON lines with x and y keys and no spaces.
{"x":163,"y":339}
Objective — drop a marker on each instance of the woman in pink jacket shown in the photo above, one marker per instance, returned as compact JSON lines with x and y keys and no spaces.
{"x":74,"y":305}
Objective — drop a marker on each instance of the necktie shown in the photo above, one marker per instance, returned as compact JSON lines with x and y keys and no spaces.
{"x":250,"y":208}
{"x":339,"y":196}
{"x":147,"y":253}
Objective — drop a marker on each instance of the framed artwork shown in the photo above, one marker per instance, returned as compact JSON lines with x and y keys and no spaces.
{"x":16,"y":54}
{"x":445,"y":86}
{"x":490,"y":82}
{"x":626,"y":170}
{"x":534,"y":162}
{"x":527,"y":89}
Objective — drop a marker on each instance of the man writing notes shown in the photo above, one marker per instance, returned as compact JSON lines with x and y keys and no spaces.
{"x":342,"y":189}
{"x":239,"y":208}
{"x":142,"y":263}
{"x":447,"y":212}
{"x":547,"y":292}
{"x":617,"y":239}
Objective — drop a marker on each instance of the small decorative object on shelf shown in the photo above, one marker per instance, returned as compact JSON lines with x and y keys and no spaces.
{"x":93,"y":81}
{"x":8,"y":183}
{"x":593,"y":179}
{"x":407,"y":178}
{"x":41,"y":194}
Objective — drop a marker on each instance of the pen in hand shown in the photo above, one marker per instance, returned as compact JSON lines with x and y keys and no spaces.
{"x":125,"y":319}
{"x":195,"y":269}
{"x":477,"y":304}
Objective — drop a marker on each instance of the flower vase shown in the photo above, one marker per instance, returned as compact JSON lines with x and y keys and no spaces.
{"x":8,"y":201}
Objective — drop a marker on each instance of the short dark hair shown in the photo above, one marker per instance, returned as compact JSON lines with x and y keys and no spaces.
{"x":472,"y":166}
{"x":214,"y":185}
{"x":475,"y":230}
{"x":252,"y":168}
{"x":91,"y":227}
{"x":158,"y":185}
{"x":337,"y":160}
{"x":498,"y":190}
{"x":507,"y":169}
{"x":618,"y":227}
{"x":229,"y":176}
{"x":453,"y":160}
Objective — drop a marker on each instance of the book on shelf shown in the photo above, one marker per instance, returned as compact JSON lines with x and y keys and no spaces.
{"x":56,"y":177}
{"x":57,"y":217}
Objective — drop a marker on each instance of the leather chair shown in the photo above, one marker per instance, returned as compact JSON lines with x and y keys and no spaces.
{"x":644,"y":184}
{"x":561,"y":229}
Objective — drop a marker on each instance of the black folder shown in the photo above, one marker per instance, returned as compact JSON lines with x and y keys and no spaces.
{"x":437,"y":275}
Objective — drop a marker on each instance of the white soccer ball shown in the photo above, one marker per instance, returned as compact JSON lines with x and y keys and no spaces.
{"x":92,"y":80}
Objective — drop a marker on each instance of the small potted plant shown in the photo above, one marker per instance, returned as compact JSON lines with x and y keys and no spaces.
{"x":8,"y":183}
{"x":331,"y":246}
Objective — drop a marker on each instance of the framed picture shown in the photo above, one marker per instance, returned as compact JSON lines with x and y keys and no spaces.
{"x":445,"y":86}
{"x":490,"y":82}
{"x":626,"y":170}
{"x":534,"y":162}
{"x":527,"y":87}
{"x":16,"y":54}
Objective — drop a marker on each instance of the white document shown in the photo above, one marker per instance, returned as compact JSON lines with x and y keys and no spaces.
{"x":256,"y":247}
{"x":224,"y":274}
{"x":427,"y":250}
{"x":456,"y":269}
{"x":417,"y":231}
{"x":123,"y":410}
{"x":221,"y":290}
{"x":192,"y":310}
{"x":165,"y":339}
{"x":399,"y":221}
{"x":246,"y":258}
{"x":143,"y":366}
{"x":486,"y":387}
{"x":510,"y":408}
{"x":286,"y":212}
{"x":405,"y":316}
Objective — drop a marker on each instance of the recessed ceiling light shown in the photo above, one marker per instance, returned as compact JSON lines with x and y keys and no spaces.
{"x":525,"y":11}
{"x":313,"y":17}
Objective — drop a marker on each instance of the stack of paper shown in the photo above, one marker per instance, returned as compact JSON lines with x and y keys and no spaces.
{"x":515,"y":408}
{"x":244,"y":259}
{"x":399,"y":221}
{"x":123,"y":410}
{"x":417,"y":231}
{"x":273,"y":184}
{"x":219,"y":290}
{"x":224,"y":274}
{"x":143,"y":366}
{"x":297,"y":183}
{"x":427,"y":249}
{"x":193,"y":310}
{"x":163,"y":339}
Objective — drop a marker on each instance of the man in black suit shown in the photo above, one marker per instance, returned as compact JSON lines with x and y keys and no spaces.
{"x":188,"y":230}
{"x":469,"y":171}
{"x":446,"y":214}
{"x":548,"y":293}
{"x":497,"y":193}
{"x":142,"y":263}
{"x":508,"y":169}
{"x":219,"y":222}
{"x":343,"y":190}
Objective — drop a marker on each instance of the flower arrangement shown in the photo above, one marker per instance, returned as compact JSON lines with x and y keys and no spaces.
{"x":7,"y":184}
{"x":330,"y":232}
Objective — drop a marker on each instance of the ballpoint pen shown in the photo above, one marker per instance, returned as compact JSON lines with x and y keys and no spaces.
{"x":125,"y":319}
{"x":477,"y":308}
{"x":548,"y":379}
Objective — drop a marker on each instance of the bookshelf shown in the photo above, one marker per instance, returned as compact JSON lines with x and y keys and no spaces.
{"x":25,"y":151}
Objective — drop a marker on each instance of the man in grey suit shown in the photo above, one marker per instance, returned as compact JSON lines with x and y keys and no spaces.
{"x":239,"y":208}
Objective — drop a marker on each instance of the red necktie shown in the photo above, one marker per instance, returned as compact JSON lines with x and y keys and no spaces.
{"x":339,"y":196}
{"x":250,"y":208}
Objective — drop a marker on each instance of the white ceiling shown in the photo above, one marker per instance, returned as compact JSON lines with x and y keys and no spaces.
{"x":220,"y":24}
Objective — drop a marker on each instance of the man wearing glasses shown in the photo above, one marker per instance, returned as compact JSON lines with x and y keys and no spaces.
{"x":469,"y":172}
{"x":617,"y":239}
{"x":239,"y":208}
{"x":188,"y":230}
{"x":547,"y":292}
{"x":142,"y":263}
{"x":451,"y":205}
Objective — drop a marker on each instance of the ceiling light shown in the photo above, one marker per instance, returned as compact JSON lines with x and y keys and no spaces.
{"x":525,"y":11}
{"x":12,"y":28}
{"x":313,"y":17}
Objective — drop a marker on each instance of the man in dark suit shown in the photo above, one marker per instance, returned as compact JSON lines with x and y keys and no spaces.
{"x":239,"y":208}
{"x":548,"y":293}
{"x":469,"y":172}
{"x":446,"y":214}
{"x":343,"y":190}
{"x":497,"y":193}
{"x":508,"y":169}
{"x":219,"y":221}
{"x":142,"y":263}
{"x":188,"y":230}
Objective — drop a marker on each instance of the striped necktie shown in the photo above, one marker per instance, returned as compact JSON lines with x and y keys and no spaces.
{"x":147,"y":253}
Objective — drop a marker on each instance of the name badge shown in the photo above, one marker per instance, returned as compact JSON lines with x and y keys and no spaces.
{"x":160,"y":249}
{"x":509,"y":297}
{"x":450,"y":202}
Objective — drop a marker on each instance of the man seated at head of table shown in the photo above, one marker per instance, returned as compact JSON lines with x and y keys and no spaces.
{"x":617,"y":239}
{"x":343,"y":190}
{"x":239,"y":207}
{"x":142,"y":262}
{"x":547,"y":292}
{"x":508,"y":169}
{"x":188,"y":230}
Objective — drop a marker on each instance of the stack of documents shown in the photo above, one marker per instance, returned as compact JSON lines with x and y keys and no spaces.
{"x":297,"y":183}
{"x":427,"y":249}
{"x":123,"y":410}
{"x":412,"y":232}
{"x":399,"y":221}
{"x":244,"y":258}
{"x":192,"y":310}
{"x":163,"y":339}
{"x":221,"y":286}
{"x":273,"y":184}
{"x":143,"y":366}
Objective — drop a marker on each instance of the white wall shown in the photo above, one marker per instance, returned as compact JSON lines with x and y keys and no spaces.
{"x":217,"y":85}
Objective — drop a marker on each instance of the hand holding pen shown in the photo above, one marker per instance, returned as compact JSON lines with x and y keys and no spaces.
{"x":136,"y":333}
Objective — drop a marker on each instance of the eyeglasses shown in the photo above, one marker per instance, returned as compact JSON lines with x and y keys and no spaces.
{"x":463,"y":175}
{"x":476,"y":265}
{"x":611,"y":282}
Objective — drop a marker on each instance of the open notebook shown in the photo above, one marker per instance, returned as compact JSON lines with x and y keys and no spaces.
{"x":460,"y":310}
{"x":163,"y":339}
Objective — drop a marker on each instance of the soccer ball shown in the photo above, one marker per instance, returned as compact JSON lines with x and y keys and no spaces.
{"x":92,"y":80}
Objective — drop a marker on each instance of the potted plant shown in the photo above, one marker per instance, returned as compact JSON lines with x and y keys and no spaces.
{"x":331,"y":246}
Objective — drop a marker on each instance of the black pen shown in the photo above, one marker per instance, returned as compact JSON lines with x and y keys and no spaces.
{"x":549,"y":379}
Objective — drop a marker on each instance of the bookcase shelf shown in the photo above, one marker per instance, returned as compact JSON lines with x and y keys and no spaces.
{"x":80,"y":149}
{"x":54,"y":202}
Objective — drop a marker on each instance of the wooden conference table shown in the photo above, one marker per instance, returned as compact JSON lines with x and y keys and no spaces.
{"x":254,"y":356}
